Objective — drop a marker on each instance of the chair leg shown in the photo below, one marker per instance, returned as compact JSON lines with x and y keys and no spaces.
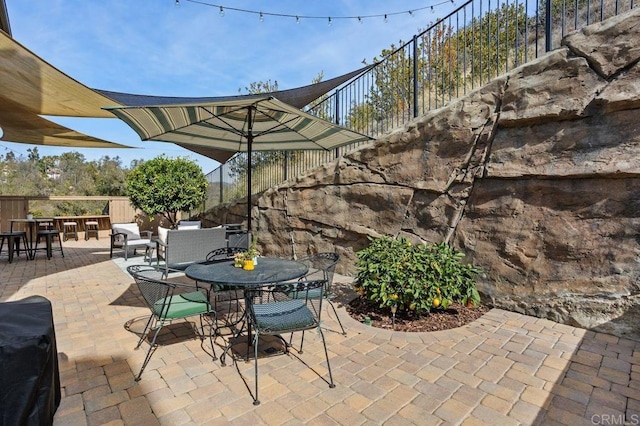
{"x":60,"y":244}
{"x":49,"y":244}
{"x":344,"y":333}
{"x":326,"y":354}
{"x":256,"y":340}
{"x":213,"y":350}
{"x":26,"y":247}
{"x":144,"y":332}
{"x":11,"y":246}
{"x":150,"y":352}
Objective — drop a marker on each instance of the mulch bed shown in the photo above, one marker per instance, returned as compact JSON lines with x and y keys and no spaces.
{"x":456,"y":315}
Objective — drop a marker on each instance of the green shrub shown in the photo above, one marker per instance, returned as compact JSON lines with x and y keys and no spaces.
{"x":414,"y":277}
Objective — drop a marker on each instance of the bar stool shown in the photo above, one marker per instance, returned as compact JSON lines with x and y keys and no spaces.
{"x":49,"y":235}
{"x":45,"y":224}
{"x":70,"y":229}
{"x":13,"y":243}
{"x":91,"y":227}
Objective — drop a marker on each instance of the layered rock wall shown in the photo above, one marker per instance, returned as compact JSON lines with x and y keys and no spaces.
{"x":536,"y":177}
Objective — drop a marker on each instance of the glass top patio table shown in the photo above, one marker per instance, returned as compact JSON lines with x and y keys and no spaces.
{"x":268,"y":270}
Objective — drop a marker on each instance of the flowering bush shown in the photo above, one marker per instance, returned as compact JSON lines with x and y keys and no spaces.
{"x":414,"y":277}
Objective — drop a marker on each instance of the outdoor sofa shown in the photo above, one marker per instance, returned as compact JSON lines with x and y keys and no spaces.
{"x":179,"y":248}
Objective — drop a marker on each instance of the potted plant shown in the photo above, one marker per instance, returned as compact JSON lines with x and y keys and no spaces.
{"x":253,"y":251}
{"x":239,"y":258}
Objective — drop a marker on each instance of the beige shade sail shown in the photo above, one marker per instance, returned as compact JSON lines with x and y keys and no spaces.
{"x":30,"y":87}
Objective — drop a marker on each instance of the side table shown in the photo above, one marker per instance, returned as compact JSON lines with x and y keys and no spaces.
{"x":148,"y":252}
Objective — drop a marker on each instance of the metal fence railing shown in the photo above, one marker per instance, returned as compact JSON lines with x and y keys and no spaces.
{"x":475,"y":43}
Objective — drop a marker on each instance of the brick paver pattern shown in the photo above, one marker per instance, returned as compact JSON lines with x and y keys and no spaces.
{"x":503,"y":369}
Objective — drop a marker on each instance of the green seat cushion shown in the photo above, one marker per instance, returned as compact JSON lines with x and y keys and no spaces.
{"x":183,"y":305}
{"x":283,"y":316}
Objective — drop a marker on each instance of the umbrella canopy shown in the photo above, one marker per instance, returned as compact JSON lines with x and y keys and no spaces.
{"x":250,"y":123}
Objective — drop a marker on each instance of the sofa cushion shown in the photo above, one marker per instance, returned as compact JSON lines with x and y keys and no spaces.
{"x":162,"y":234}
{"x":185,"y":224}
{"x":130,"y":229}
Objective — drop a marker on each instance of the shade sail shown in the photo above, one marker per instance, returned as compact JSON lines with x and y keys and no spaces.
{"x":237,"y":125}
{"x":23,"y":127}
{"x":40,"y":88}
{"x":298,"y":97}
{"x":30,"y":87}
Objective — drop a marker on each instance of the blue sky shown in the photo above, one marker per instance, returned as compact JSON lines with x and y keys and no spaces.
{"x":154,"y":47}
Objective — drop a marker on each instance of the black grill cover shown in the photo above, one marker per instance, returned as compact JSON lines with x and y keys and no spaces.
{"x":29,"y":375}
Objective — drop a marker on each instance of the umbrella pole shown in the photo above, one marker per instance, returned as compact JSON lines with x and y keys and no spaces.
{"x":249,"y":148}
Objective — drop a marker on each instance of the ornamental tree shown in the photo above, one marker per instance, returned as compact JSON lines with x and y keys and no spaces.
{"x":166,"y":186}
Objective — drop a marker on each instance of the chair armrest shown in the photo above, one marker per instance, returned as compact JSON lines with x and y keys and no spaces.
{"x":147,"y":233}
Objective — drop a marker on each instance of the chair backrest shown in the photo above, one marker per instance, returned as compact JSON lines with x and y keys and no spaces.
{"x":153,"y":289}
{"x":192,"y":245}
{"x":238,"y":239}
{"x":132,"y":230}
{"x":322,"y":264}
{"x":189,"y":224}
{"x":223,"y":253}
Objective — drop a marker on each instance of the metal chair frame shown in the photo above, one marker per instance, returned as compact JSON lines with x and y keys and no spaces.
{"x":285,"y":308}
{"x":161,"y":297}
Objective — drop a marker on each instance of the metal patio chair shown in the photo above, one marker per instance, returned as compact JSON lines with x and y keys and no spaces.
{"x":167,"y":305}
{"x":285,"y":308}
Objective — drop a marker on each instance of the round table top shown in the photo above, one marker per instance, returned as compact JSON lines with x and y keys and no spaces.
{"x":268,"y":270}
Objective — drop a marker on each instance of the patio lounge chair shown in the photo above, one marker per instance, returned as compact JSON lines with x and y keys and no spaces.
{"x":128,"y":235}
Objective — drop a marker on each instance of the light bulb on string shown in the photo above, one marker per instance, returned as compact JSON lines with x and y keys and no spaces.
{"x":385,"y":18}
{"x":330,"y":21}
{"x":411,"y":13}
{"x":433,"y":10}
{"x":177,"y":3}
{"x":360,"y":19}
{"x":297,"y":19}
{"x":261,"y":17}
{"x":221,"y":11}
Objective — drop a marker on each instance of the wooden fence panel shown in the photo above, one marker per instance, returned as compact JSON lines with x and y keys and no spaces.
{"x":12,"y":208}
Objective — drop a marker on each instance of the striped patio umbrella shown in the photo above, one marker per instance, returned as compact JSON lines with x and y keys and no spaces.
{"x":243,"y":124}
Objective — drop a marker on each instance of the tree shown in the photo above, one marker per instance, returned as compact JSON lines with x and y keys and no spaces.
{"x":166,"y":186}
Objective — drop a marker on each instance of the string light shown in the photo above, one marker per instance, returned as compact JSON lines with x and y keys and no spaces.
{"x":330,"y":19}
